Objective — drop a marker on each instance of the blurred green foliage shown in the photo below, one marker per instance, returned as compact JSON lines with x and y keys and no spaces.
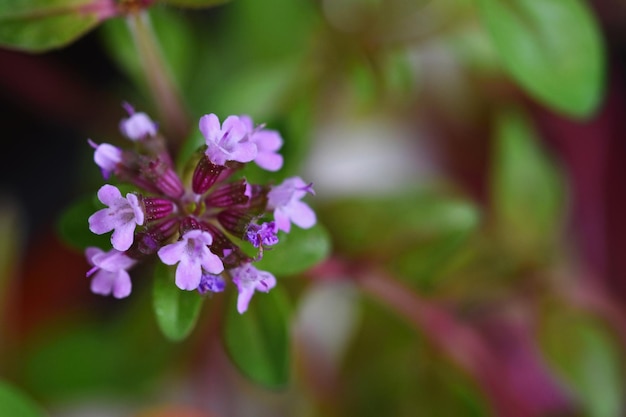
{"x":302,"y":66}
{"x":15,"y":403}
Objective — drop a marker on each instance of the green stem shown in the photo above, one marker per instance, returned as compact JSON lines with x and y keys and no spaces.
{"x":169,"y":105}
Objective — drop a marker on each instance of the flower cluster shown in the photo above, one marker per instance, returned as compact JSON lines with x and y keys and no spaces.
{"x":193,"y":220}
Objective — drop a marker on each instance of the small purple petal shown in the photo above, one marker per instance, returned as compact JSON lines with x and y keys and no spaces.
{"x":210,"y":127}
{"x":284,"y":199}
{"x":267,"y":141}
{"x":138,"y":126}
{"x":302,"y":215}
{"x":113,"y":260}
{"x":188,"y":274}
{"x":212,"y":263}
{"x":106,"y":157}
{"x":243,"y":299}
{"x":173,"y":252}
{"x":264,"y":234}
{"x":109,"y":274}
{"x":269,"y":161}
{"x":211,"y":283}
{"x":122,"y":237}
{"x":282,"y":221}
{"x":248,"y":279}
{"x":109,"y":194}
{"x":122,"y":285}
{"x":134,"y":203}
{"x":99,"y":222}
{"x":243,"y":152}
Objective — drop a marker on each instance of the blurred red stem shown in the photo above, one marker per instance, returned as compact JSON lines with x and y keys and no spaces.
{"x":458,"y":341}
{"x":165,"y":94}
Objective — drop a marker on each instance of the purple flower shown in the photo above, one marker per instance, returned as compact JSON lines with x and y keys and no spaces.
{"x":110,"y":269}
{"x":227,"y":142}
{"x":268,"y":142}
{"x":264,"y":234}
{"x":138,"y":126}
{"x":193,"y":257}
{"x":284,"y":199}
{"x":211,"y":283}
{"x":106,"y":157}
{"x":122,"y":215}
{"x":248,"y":279}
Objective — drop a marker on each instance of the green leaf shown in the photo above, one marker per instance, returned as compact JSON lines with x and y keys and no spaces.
{"x":527,"y":190}
{"x":194,"y":4}
{"x":380,"y":226}
{"x":296,"y":251}
{"x":176,"y":310}
{"x":14,"y":403}
{"x":588,"y":358}
{"x":73,"y":225}
{"x":553,"y":49}
{"x":258,"y":340}
{"x":39,"y":25}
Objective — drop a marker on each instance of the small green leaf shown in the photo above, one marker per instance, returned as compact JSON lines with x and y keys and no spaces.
{"x":552,"y":48}
{"x":194,"y":4}
{"x":15,"y":404}
{"x":258,"y":340}
{"x":176,"y":310}
{"x":73,"y":225}
{"x":39,"y":25}
{"x":527,"y":190}
{"x":296,"y":251}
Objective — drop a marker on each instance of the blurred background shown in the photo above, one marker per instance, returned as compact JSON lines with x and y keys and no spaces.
{"x":469,"y":163}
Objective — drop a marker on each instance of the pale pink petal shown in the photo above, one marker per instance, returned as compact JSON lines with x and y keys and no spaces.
{"x":108,"y":194}
{"x":269,"y":161}
{"x":266,"y":282}
{"x":122,"y":237}
{"x":188,"y":274}
{"x":122,"y":285}
{"x":247,"y":122}
{"x":138,"y":126}
{"x":212,"y":263}
{"x":106,"y":157}
{"x":302,"y":215}
{"x":102,"y":282}
{"x":91,"y":252}
{"x":244,"y":297}
{"x":268,"y":140}
{"x":173,"y":252}
{"x":244,"y":152}
{"x":100,"y":222}
{"x":210,"y":127}
{"x":282,"y":220}
{"x":134,"y":203}
{"x":113,"y":260}
{"x":235,"y":128}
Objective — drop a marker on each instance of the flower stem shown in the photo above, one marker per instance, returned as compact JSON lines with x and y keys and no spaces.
{"x":165,"y":94}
